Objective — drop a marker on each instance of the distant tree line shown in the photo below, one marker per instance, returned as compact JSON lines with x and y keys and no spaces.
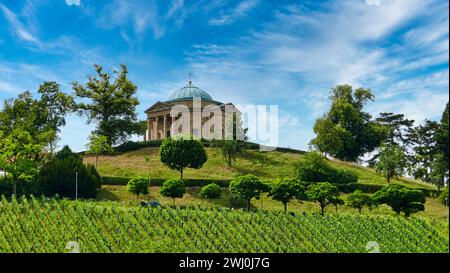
{"x":397,"y":147}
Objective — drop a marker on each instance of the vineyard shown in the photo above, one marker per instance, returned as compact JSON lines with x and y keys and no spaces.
{"x":39,"y":225}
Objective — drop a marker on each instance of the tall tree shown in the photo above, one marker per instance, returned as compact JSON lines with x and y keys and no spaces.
{"x":18,"y":156}
{"x":398,"y":128}
{"x":98,"y":145}
{"x":57,"y":104}
{"x":352,"y":131}
{"x":112,"y":104}
{"x":27,"y":114}
{"x":391,"y":162}
{"x":425,"y":150}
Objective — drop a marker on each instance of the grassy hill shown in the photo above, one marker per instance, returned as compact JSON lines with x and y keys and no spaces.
{"x":266,"y":165}
{"x":51,"y":226}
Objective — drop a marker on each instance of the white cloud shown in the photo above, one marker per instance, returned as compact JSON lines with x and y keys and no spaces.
{"x":18,"y":28}
{"x":231,"y":15}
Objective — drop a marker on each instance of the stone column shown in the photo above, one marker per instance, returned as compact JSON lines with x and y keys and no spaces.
{"x":156,"y":127}
{"x":148,"y":133}
{"x":165,"y":126}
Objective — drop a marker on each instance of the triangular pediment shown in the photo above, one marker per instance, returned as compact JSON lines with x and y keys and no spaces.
{"x":157,"y":106}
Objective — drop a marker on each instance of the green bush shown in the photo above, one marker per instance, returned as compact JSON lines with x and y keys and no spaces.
{"x":444,"y":195}
{"x":315,"y":168}
{"x":133,"y":145}
{"x":211,"y":191}
{"x":173,"y":188}
{"x":57,"y":176}
{"x":344,"y":176}
{"x":138,"y":186}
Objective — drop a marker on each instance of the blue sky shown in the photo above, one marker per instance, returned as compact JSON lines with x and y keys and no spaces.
{"x":288,"y":53}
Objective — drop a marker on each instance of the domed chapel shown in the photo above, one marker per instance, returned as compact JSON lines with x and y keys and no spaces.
{"x":159,"y":120}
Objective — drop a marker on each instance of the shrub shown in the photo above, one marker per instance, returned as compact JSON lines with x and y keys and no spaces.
{"x":315,"y":168}
{"x":57,"y":176}
{"x":401,"y":199}
{"x":359,"y":200}
{"x":247,"y":187}
{"x":344,"y":176}
{"x":211,"y":191}
{"x":444,"y":195}
{"x":137,"y":186}
{"x":173,"y":188}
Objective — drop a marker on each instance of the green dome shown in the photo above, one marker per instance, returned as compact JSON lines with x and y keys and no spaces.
{"x":189,"y":92}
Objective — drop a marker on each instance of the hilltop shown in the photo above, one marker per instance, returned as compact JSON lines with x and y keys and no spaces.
{"x":266,"y":165}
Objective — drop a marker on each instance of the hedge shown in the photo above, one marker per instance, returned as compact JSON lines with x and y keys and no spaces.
{"x":136,"y":145}
{"x":122,"y":181}
{"x":345,"y":188}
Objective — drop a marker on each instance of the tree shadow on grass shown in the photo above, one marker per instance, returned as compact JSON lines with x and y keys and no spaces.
{"x":105,"y":194}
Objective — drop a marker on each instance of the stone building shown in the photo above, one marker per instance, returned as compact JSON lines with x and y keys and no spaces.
{"x":159,"y":120}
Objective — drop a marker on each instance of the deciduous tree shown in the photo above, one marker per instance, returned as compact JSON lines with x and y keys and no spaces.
{"x":111,"y":104}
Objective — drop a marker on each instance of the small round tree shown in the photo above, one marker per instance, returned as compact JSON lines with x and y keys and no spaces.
{"x":359,"y":200}
{"x":323,"y":193}
{"x":211,"y":191}
{"x":284,"y":191}
{"x":173,"y":188}
{"x":247,"y":187}
{"x":137,"y":186}
{"x":401,"y":199}
{"x":180,"y":153}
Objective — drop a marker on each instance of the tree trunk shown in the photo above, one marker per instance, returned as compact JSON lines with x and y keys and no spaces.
{"x":248,"y":205}
{"x":285,"y":207}
{"x":14,"y":188}
{"x":360,"y":209}
{"x":174,"y":201}
{"x":181,"y":174}
{"x":322,"y":209}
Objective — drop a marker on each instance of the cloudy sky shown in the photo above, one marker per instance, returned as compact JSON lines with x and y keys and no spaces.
{"x":285,"y":53}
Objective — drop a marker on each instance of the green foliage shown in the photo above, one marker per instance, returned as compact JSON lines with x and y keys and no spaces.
{"x":346,"y":132}
{"x":179,"y":154}
{"x":401,"y":199}
{"x":397,"y":128}
{"x":57,"y":105}
{"x":112,"y":104}
{"x":57,"y":176}
{"x":285,"y":190}
{"x":231,"y":149}
{"x":391,"y":162}
{"x":173,"y":188}
{"x":443,"y":196}
{"x":18,"y":156}
{"x":247,"y":187}
{"x":137,"y":186}
{"x":189,"y":230}
{"x":98,"y":144}
{"x":359,"y":200}
{"x":41,"y":118}
{"x":324,"y":194}
{"x":315,"y":168}
{"x":211,"y":191}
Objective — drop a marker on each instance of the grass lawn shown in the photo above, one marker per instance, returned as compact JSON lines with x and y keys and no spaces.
{"x":266,"y":165}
